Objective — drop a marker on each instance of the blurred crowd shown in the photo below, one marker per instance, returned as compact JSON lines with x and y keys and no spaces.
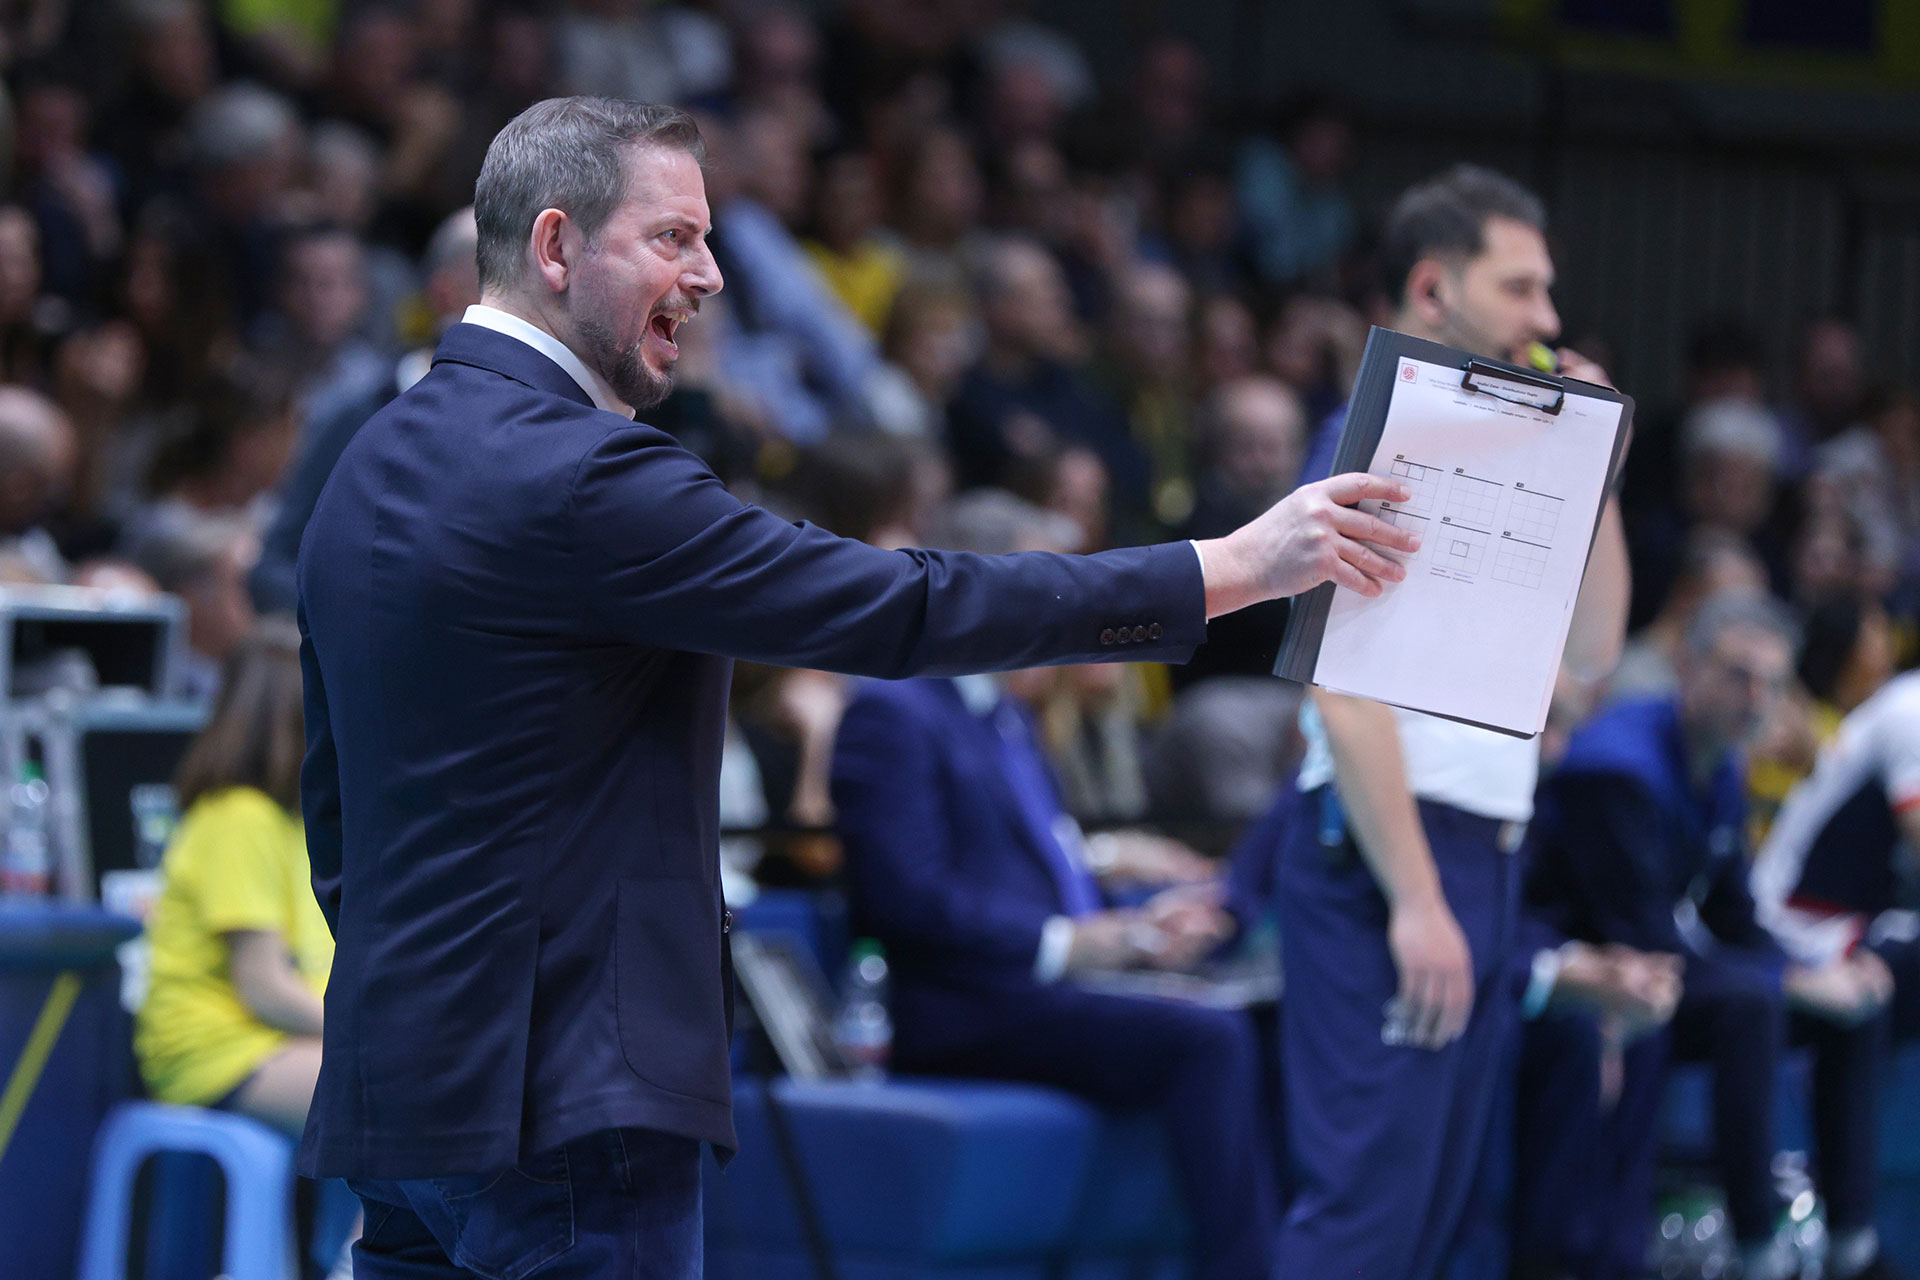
{"x":962,"y":264}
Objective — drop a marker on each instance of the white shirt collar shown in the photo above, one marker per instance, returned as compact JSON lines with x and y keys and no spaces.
{"x":553,"y":349}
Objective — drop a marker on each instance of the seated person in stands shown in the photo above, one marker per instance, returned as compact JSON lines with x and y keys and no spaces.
{"x":1639,"y":841}
{"x":962,"y":862}
{"x":1826,"y":883}
{"x":240,"y":949}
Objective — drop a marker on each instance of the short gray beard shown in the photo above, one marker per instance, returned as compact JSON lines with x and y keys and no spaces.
{"x":624,"y":368}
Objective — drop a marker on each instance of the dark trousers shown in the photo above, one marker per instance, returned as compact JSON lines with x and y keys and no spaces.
{"x":620,"y":1202}
{"x":1198,"y":1069}
{"x":1584,"y":1170}
{"x":1385,"y":1140}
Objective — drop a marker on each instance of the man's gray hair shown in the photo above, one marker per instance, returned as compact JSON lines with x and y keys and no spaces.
{"x":1739,"y":610}
{"x":240,"y":124}
{"x":567,"y":154}
{"x":994,"y":522}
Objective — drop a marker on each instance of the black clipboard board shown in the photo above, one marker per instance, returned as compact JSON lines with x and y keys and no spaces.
{"x":1366,"y":421}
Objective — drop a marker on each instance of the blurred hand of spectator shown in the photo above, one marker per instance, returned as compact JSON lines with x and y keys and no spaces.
{"x":1847,"y":991}
{"x":1110,"y":940}
{"x":1143,"y":858}
{"x":1635,"y":991}
{"x":1192,"y":921}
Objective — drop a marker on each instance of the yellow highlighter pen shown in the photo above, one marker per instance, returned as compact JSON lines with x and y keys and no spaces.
{"x":1541,"y":357}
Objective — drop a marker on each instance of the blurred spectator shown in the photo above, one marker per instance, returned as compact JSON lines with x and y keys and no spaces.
{"x":240,"y":949}
{"x":1030,"y":391}
{"x":862,"y":268}
{"x":1225,"y":749}
{"x":778,"y":294}
{"x":929,"y":344}
{"x":285,"y":40}
{"x":246,"y":146}
{"x":1829,"y":387}
{"x":1298,"y":220}
{"x":1225,"y":344}
{"x":778,"y":55}
{"x":1093,"y":720}
{"x":204,"y":560}
{"x":1730,"y":459}
{"x":452,"y":285}
{"x":26,"y":326}
{"x":1255,"y":439}
{"x":311,"y":337}
{"x":1314,"y":346}
{"x":962,"y":862}
{"x":1724,"y":361}
{"x":39,"y":456}
{"x":1714,"y":564}
{"x":173,"y":69}
{"x":937,"y":208}
{"x":74,"y":193}
{"x":1827,"y":883}
{"x":649,"y":53}
{"x":1145,"y":363}
{"x":1646,"y":813}
{"x":345,"y":183}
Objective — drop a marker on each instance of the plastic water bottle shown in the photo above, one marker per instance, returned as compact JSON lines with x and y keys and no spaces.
{"x":863,"y":1031}
{"x":26,"y":871}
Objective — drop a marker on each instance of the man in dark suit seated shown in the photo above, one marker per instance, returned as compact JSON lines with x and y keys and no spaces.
{"x":1639,"y":842}
{"x":961,"y":861}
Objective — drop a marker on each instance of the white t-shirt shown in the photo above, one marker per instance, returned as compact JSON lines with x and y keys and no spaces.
{"x":1475,"y":770}
{"x":1837,"y":824}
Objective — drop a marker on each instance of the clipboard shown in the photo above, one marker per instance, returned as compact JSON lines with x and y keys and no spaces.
{"x":1510,"y":469}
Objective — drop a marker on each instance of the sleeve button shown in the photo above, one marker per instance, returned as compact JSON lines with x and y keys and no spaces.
{"x":1106,"y":637}
{"x":1139,"y":634}
{"x":1154,"y":632}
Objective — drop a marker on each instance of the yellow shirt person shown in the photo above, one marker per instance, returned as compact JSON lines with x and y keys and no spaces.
{"x":238,"y":862}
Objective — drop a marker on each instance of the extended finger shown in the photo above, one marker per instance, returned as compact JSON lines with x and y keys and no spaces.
{"x":1370,"y":562}
{"x":1345,"y":575}
{"x":1431,"y":1017}
{"x":1362,"y":527}
{"x":1356,"y":486}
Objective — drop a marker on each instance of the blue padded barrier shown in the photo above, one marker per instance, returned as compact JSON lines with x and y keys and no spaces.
{"x":951,"y":1179}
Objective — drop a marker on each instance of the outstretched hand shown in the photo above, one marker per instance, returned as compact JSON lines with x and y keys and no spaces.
{"x":1311,"y":536}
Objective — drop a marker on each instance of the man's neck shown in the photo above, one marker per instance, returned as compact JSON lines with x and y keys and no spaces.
{"x":519,"y":309}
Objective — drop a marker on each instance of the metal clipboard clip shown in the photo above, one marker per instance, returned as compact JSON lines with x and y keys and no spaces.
{"x":1514,"y":386}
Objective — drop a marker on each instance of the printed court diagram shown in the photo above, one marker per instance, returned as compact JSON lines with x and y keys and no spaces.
{"x":1423,"y":480}
{"x":1458,"y":550}
{"x":1527,"y":542}
{"x":1473,"y":502}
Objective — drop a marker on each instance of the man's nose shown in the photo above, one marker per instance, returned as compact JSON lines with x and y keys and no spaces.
{"x":704,"y":280}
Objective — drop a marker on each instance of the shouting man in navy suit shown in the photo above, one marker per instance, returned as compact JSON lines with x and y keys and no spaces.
{"x":518,"y":608}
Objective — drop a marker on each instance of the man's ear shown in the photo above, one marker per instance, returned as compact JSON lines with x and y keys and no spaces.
{"x":553,"y":248}
{"x":1425,"y":284}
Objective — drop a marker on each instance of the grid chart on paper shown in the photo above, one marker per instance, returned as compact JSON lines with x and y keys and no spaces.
{"x":1423,"y":480}
{"x":1473,"y":502}
{"x":1406,"y":520}
{"x":1459,"y":550}
{"x":1521,"y":563}
{"x":1535,"y":516}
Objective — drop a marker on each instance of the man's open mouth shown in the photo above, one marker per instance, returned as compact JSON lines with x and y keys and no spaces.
{"x":665,"y":324}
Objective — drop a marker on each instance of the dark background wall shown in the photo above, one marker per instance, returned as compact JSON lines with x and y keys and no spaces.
{"x":1753,"y":158}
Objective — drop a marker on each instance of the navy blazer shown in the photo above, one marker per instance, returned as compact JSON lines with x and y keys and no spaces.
{"x":518,"y":612}
{"x":942,"y":866}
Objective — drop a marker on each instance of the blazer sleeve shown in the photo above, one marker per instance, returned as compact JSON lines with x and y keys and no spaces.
{"x":320,"y":784}
{"x":671,"y":559}
{"x":907,"y":875}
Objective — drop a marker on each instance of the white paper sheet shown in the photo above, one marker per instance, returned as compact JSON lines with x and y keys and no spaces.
{"x":1504,"y":499}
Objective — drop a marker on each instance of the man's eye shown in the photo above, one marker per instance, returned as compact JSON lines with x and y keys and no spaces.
{"x":673,"y":236}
